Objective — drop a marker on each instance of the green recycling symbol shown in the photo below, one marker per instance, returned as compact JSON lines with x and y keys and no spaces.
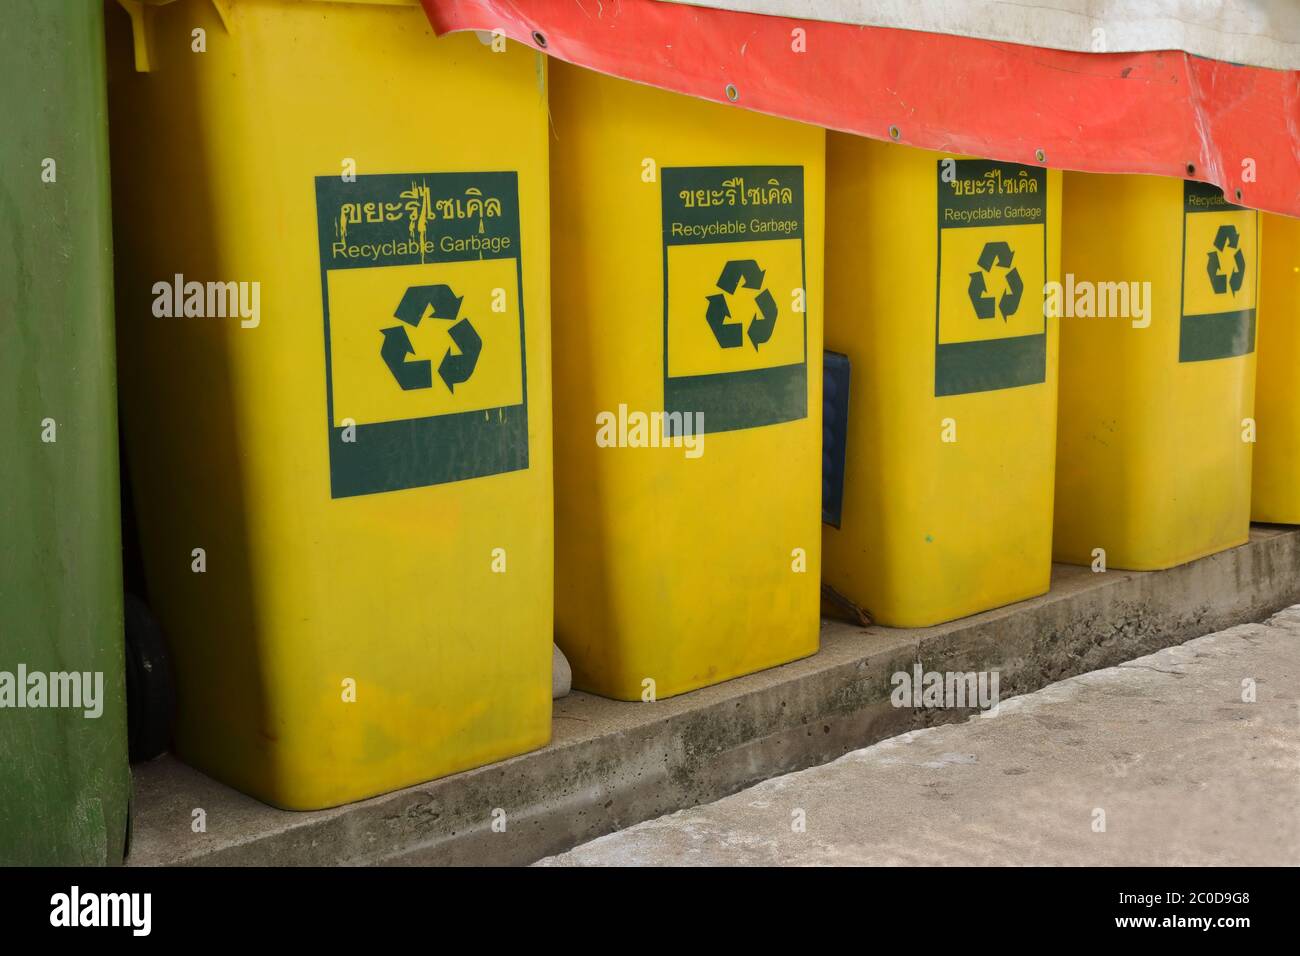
{"x":999,"y":254}
{"x":438,"y":302}
{"x":1225,"y":239}
{"x":735,"y":273}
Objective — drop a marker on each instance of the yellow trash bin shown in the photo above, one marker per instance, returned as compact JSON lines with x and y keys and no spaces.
{"x":935,"y":271}
{"x":1275,"y":494}
{"x":688,"y":266}
{"x":1157,"y":372}
{"x":334,"y":336}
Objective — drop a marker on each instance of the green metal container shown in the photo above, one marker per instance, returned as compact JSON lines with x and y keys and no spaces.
{"x":64,"y":777}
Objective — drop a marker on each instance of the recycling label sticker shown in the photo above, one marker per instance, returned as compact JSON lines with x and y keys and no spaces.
{"x":424,"y":329}
{"x":1220,"y":276}
{"x":735,"y":300}
{"x":990,"y":322}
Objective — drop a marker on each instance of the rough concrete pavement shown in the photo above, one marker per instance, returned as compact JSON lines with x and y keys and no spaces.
{"x":1183,"y":769}
{"x":612,"y":764}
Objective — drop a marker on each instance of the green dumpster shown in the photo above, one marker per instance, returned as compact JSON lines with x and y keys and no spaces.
{"x":64,"y":778}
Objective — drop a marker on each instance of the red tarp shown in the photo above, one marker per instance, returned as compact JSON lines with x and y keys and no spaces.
{"x":1166,"y":112}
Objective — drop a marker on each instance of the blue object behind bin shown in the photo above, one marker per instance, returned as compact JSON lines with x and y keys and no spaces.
{"x":835,"y":425}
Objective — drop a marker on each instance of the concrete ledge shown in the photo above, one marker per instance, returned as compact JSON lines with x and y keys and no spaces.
{"x":613,"y":764}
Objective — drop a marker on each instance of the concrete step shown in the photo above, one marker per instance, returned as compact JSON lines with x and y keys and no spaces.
{"x":612,"y":764}
{"x":1186,"y":757}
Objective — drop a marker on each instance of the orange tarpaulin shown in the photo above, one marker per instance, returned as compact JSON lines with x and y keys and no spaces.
{"x":1167,"y":113}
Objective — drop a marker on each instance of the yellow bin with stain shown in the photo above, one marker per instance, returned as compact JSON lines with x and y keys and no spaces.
{"x":1157,"y":372}
{"x":1275,"y":494}
{"x":334,"y":335}
{"x":935,"y":271}
{"x":688,"y":269}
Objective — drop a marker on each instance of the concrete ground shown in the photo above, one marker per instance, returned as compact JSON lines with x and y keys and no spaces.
{"x":1158,"y":761}
{"x":613,"y":764}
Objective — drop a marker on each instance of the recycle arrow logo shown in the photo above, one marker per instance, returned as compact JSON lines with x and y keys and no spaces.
{"x":1226,"y":238}
{"x":1000,"y":254}
{"x":736,"y":273}
{"x":439,"y":302}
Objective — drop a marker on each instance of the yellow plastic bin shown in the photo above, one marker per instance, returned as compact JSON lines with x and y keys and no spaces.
{"x":935,"y":271}
{"x":342,"y":458}
{"x":1157,"y":372}
{"x":1275,"y":494}
{"x":688,"y":269}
